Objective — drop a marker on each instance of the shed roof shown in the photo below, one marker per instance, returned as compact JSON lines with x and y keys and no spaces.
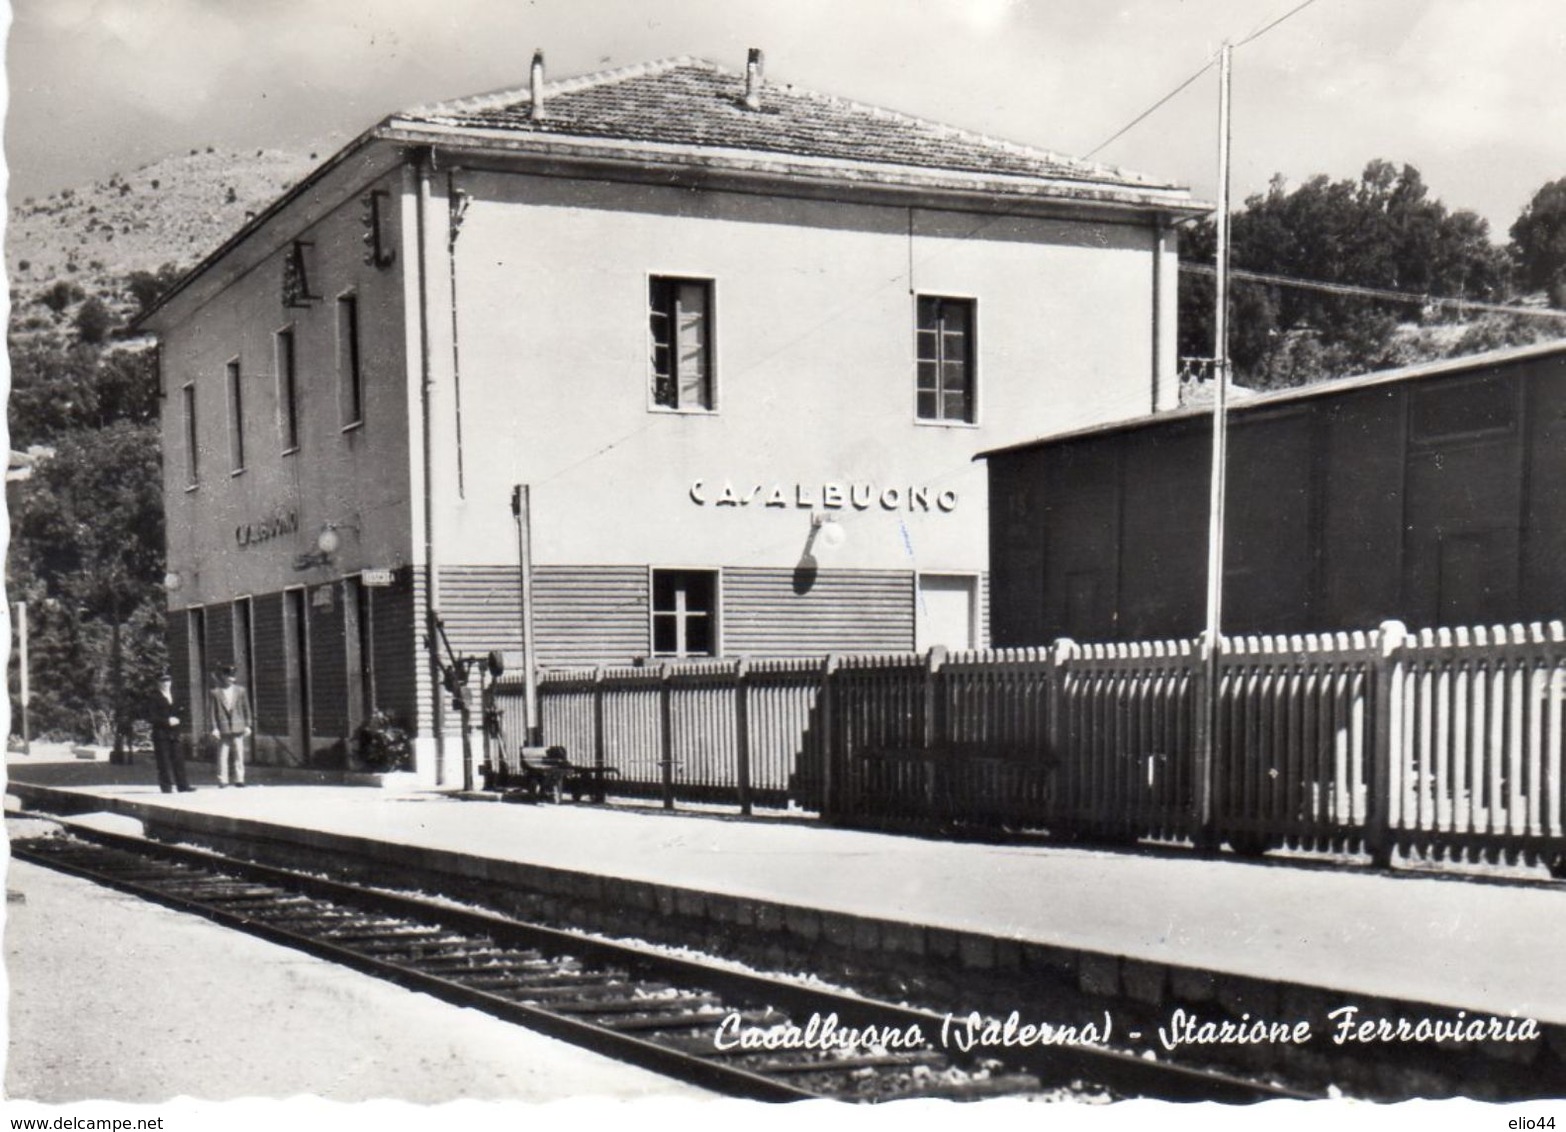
{"x":1490,"y":359}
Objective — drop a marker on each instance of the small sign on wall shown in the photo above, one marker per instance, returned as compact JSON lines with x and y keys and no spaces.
{"x":376,"y":577}
{"x":321,"y":597}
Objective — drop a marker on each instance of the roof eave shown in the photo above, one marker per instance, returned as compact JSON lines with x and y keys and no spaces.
{"x":776,"y":171}
{"x":747,"y":169}
{"x":145,"y":322}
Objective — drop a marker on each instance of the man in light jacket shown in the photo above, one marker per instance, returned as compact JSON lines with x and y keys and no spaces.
{"x":231,"y":722}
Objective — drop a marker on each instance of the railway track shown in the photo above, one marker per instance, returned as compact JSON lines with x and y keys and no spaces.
{"x":733,"y":1032}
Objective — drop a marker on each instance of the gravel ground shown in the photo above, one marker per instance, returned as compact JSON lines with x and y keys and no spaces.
{"x":114,"y":999}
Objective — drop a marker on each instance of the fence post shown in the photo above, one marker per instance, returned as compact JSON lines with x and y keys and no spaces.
{"x":1386,"y":740}
{"x":666,"y":734}
{"x":1055,"y":731}
{"x":600,"y":740}
{"x":1204,"y":743}
{"x":742,"y":733}
{"x":829,"y":752}
{"x":933,"y":733}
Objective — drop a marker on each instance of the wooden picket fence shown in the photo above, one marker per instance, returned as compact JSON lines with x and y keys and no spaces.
{"x":737,"y":732}
{"x":1443,"y":743}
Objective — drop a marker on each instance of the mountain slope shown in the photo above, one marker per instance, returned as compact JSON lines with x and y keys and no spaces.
{"x":173,"y":211}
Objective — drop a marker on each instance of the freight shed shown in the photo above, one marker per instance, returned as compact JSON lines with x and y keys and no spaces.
{"x":1434,"y":494}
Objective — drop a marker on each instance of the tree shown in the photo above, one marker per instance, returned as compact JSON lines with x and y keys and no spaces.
{"x":87,"y":545}
{"x":1538,"y":245}
{"x":93,"y":321}
{"x":1382,"y":231}
{"x":147,"y":287}
{"x":57,"y":389}
{"x":87,"y":554}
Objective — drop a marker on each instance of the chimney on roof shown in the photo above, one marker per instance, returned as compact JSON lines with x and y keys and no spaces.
{"x":754,"y":67}
{"x":536,"y":86}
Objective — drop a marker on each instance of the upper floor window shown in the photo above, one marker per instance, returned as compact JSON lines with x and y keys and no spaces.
{"x":945,"y":382}
{"x":684,"y":612}
{"x":192,"y":451}
{"x":288,"y":389}
{"x":681,"y":322}
{"x":236,"y":418}
{"x":350,"y":389}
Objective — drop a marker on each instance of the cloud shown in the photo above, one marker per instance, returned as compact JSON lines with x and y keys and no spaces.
{"x":1448,"y":86}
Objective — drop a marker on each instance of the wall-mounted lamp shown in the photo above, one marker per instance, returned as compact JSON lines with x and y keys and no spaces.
{"x":172,"y":581}
{"x":327,"y":543}
{"x":828,"y":529}
{"x":831,"y":533}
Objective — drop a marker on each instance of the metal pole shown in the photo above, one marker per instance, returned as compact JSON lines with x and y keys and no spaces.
{"x":1215,"y":519}
{"x":1220,"y":367}
{"x":119,"y":753}
{"x":521,"y":508}
{"x":25,"y":688}
{"x":424,"y":160}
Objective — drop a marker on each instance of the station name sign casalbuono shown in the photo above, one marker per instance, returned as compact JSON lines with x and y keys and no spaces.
{"x":829,"y":496}
{"x":282,"y":523}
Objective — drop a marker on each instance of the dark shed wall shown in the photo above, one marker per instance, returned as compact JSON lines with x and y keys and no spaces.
{"x":1362,"y":507}
{"x":1437,"y":500}
{"x":1163,"y":570}
{"x":1544,"y":508}
{"x":1017,"y":544}
{"x":1272,"y":559}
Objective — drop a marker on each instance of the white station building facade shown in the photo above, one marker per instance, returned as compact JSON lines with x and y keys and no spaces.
{"x":738,"y":341}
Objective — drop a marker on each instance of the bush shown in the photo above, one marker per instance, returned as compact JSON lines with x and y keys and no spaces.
{"x":61,"y":295}
{"x":383,"y":746}
{"x":93,"y":321}
{"x":147,"y":287}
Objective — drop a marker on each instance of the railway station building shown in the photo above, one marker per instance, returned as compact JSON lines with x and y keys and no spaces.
{"x":1434,"y":495}
{"x":738,"y":343}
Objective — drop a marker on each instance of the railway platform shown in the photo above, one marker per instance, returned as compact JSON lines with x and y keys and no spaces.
{"x":1163,"y":931}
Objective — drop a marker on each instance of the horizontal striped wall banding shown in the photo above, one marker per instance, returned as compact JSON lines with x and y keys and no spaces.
{"x":586,"y":615}
{"x":841,"y":611}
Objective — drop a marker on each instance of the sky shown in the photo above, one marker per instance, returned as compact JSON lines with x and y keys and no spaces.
{"x":1468,"y":91}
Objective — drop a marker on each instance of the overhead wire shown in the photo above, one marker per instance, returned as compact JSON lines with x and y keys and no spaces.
{"x":1207,"y":66}
{"x":1005,"y":214}
{"x":1421,"y":297}
{"x":1137,"y":121}
{"x":1294,"y":11}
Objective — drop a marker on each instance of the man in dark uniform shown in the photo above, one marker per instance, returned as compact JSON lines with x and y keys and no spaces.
{"x":163,"y":714}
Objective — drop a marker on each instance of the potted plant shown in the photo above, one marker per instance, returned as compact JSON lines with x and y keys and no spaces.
{"x":381,"y":745}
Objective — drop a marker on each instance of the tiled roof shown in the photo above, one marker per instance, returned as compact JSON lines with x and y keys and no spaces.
{"x":694,"y":104}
